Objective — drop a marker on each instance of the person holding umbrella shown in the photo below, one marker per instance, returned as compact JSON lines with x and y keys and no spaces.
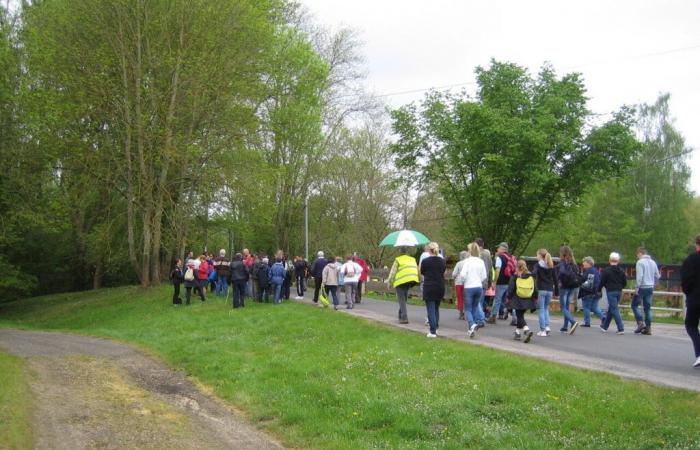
{"x":403,"y":276}
{"x":433,"y":270}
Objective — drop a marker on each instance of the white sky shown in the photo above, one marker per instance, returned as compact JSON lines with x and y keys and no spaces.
{"x":628,"y":51}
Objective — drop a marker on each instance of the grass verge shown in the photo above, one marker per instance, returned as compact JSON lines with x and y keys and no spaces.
{"x":15,"y":401}
{"x":320,"y":379}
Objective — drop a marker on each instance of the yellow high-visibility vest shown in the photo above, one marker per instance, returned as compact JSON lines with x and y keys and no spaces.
{"x":406,"y":270}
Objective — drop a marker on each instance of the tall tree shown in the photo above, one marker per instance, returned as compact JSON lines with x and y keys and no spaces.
{"x":162,"y":86}
{"x":518,"y":155}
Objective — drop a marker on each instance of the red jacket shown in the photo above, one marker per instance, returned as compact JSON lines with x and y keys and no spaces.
{"x":203,"y":272}
{"x":365,"y":269}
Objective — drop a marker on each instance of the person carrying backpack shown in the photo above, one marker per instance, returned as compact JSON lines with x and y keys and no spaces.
{"x":569,"y":279}
{"x":505,"y":265}
{"x":191,"y":281}
{"x":177,"y":278}
{"x":522,"y":293}
{"x":590,"y":292}
{"x":262,"y":274}
{"x":351,"y":272}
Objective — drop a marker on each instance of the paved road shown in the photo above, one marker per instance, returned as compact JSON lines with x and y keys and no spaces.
{"x":664,"y":358}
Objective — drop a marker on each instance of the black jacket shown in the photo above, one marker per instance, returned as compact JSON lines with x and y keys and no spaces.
{"x":690,"y":279}
{"x":613,"y":279}
{"x":239,"y":272}
{"x":177,"y":276}
{"x":546,"y":278}
{"x":318,"y":266}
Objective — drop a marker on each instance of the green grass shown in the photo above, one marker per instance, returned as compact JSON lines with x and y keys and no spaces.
{"x":320,"y":379}
{"x":15,"y":401}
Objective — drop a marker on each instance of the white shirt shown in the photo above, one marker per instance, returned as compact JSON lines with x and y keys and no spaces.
{"x":351,"y":271}
{"x":473,"y":272}
{"x":457,"y":273}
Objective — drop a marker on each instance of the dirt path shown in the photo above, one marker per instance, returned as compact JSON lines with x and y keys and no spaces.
{"x":94,"y":393}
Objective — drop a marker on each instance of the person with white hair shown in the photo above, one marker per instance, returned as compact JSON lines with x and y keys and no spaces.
{"x":222,"y":266}
{"x":613,"y":280}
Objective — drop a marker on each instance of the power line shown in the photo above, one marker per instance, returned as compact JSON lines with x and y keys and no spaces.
{"x":578,"y":66}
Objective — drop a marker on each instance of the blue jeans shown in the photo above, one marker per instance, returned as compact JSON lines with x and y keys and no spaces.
{"x":644,"y":297}
{"x":480,"y":309}
{"x":333,"y":290}
{"x":564,"y":298}
{"x":501,"y":290}
{"x":543,"y":300}
{"x":221,"y":286}
{"x":278,"y":292}
{"x":590,"y":305}
{"x":471,"y":304}
{"x":613,"y":311}
{"x":433,"y":308}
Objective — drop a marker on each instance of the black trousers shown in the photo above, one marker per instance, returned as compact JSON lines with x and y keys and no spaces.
{"x":239,"y":293}
{"x":301,"y":287}
{"x":520,"y":316}
{"x":176,"y":294}
{"x":692,"y":318}
{"x":188,"y":293}
{"x":317,"y":287}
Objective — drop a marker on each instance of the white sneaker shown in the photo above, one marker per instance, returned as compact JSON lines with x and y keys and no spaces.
{"x":548,"y":330}
{"x":431,"y":335}
{"x":299,"y":297}
{"x":472,"y":331}
{"x":697,"y":363}
{"x":542,"y":334}
{"x":516,"y":335}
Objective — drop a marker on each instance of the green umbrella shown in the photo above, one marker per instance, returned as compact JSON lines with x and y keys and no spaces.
{"x":404,"y":238}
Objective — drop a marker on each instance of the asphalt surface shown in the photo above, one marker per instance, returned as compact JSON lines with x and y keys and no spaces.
{"x":664,"y":358}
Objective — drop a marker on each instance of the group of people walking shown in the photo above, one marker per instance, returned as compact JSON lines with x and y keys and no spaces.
{"x":487,"y":289}
{"x":331,"y":275}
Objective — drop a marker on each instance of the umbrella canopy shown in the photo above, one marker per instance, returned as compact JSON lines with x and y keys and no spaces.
{"x":404,"y":238}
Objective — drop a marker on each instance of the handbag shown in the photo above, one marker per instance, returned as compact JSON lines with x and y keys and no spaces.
{"x":323,"y":299}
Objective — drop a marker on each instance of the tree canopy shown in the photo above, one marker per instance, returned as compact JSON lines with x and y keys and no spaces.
{"x":518,"y":155}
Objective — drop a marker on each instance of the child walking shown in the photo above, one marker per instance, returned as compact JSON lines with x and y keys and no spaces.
{"x":523,"y":294}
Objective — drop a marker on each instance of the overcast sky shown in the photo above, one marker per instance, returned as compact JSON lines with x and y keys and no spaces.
{"x":628,"y":51}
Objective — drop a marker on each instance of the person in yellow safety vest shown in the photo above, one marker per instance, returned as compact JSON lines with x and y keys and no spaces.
{"x":403,"y":276}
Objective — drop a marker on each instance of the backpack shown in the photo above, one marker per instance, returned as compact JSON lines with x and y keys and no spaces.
{"x":189,"y":275}
{"x":511,"y":264}
{"x":525,"y":287}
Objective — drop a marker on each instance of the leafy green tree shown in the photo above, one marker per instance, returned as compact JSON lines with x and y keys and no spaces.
{"x":646,"y":205}
{"x":518,"y":155}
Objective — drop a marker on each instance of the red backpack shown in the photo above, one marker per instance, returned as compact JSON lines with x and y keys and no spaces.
{"x":511,"y":264}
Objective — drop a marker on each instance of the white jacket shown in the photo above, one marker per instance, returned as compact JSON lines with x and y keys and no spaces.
{"x":473,"y":272}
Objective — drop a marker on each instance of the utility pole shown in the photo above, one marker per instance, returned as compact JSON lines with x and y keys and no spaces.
{"x":306,"y":227}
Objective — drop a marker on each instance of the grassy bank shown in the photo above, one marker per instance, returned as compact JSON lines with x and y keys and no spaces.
{"x":15,"y":401}
{"x":320,"y":379}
